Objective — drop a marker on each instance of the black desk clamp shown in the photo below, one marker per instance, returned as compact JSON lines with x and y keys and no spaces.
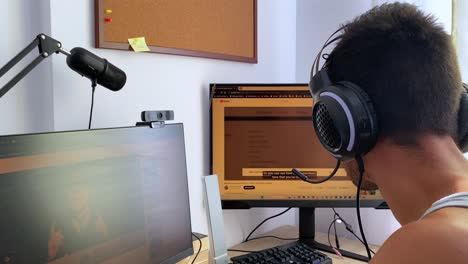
{"x":156,"y":118}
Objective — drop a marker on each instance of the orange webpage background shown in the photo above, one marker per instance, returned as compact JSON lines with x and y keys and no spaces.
{"x":256,"y":143}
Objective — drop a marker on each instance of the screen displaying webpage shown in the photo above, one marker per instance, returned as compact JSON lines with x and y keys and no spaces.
{"x":259,"y":133}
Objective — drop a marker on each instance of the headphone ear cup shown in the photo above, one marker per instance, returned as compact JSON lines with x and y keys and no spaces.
{"x":368,"y":106}
{"x":463,"y":121}
{"x":345,"y":120}
{"x":366,"y":122}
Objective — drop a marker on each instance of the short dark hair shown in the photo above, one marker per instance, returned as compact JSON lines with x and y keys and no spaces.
{"x":407,"y":64}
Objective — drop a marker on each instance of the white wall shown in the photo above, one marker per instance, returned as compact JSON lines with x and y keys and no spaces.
{"x":27,"y":107}
{"x":460,"y":26}
{"x":179,"y":83}
{"x":315,"y":21}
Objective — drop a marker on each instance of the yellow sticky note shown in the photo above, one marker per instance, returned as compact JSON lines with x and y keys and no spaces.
{"x":138,"y":44}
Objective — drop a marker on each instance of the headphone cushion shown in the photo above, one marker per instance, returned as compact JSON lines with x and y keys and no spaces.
{"x":463,"y":121}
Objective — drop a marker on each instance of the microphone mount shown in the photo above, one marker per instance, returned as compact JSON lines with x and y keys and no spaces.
{"x":46,"y":45}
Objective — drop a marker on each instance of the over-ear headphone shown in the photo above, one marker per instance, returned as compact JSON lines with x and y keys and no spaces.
{"x":344,"y":117}
{"x":345,"y":120}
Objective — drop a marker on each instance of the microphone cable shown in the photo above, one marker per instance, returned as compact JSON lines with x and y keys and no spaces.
{"x":306,"y":178}
{"x":93,"y":85}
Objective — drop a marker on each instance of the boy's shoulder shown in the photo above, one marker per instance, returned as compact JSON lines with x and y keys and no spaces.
{"x":440,"y":238}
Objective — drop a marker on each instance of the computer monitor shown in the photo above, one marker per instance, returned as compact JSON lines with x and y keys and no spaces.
{"x":110,"y":195}
{"x":259,"y":133}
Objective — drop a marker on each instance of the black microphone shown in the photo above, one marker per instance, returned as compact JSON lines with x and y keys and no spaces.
{"x":304,"y":177}
{"x":96,"y":68}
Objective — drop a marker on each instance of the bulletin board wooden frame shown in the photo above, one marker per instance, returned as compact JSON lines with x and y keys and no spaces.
{"x":120,"y":43}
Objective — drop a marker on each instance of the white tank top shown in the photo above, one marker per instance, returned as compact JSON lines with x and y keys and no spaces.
{"x":453,"y":200}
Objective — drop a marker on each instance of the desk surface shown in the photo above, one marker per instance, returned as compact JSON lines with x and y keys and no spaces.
{"x":292,"y":232}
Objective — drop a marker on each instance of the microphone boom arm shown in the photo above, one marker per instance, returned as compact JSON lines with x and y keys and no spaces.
{"x":47,"y":46}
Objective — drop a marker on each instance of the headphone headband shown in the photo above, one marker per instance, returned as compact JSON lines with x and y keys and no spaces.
{"x":318,"y":81}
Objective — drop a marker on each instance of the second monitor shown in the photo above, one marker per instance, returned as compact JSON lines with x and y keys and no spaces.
{"x":259,"y":133}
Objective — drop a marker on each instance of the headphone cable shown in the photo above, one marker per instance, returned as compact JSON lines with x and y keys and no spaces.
{"x":360,"y":163}
{"x":306,"y":178}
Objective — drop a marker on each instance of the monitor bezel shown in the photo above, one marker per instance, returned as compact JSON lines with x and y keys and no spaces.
{"x":81,"y":130}
{"x":247,"y":204}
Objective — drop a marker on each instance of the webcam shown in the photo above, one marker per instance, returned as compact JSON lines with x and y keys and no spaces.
{"x":157,"y":116}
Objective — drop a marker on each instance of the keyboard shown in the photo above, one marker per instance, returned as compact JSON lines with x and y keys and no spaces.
{"x":291,"y":253}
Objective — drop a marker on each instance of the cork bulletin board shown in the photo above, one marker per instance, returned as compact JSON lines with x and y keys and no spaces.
{"x":219,"y":29}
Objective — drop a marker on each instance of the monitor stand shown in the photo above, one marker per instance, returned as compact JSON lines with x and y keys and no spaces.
{"x":307,"y":234}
